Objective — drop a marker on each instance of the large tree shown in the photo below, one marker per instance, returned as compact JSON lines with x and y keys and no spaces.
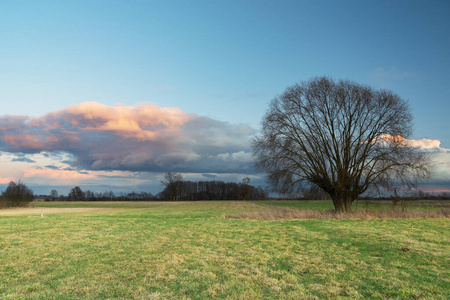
{"x":340,"y":136}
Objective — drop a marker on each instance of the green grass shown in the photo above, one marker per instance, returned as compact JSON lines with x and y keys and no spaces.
{"x":172,"y":250}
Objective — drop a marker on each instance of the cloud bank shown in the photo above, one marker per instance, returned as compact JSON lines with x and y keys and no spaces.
{"x":132,"y":138}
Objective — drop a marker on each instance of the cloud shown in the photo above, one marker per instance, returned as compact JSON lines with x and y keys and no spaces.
{"x":436,"y":190}
{"x":441,"y":162}
{"x":131,"y":138}
{"x":23,"y":159}
{"x":427,"y":144}
{"x":424,"y":144}
{"x":52,"y":167}
{"x":66,"y":176}
{"x":58,"y":174}
{"x":210,"y":176}
{"x":390,"y":74}
{"x":440,"y":159}
{"x":6,"y":180}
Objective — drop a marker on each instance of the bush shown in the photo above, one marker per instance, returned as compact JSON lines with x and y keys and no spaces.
{"x":17,"y":194}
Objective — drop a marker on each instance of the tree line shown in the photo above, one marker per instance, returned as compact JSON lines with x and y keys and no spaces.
{"x":77,"y":194}
{"x":175,"y":189}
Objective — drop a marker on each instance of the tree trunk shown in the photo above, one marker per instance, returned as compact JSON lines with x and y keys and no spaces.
{"x":342,"y":204}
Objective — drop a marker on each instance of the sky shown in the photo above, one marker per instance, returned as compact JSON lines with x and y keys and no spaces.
{"x":110,"y":95}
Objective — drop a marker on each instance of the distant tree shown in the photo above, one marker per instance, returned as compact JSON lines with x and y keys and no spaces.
{"x":189,"y":190}
{"x":17,"y":194}
{"x":54,"y":194}
{"x":146,"y":196}
{"x":314,"y":192}
{"x":172,"y":183}
{"x":90,"y":196}
{"x":132,"y":195}
{"x":76,"y":194}
{"x":262,"y":193}
{"x":421,"y":194}
{"x":245,"y":188}
{"x":340,"y":136}
{"x":108,"y":195}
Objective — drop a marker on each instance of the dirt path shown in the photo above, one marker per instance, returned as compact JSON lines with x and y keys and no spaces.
{"x":46,"y":210}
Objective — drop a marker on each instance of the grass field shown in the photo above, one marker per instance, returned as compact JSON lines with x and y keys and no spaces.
{"x":151,"y":250}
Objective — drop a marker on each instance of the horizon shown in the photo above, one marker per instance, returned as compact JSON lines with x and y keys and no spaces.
{"x":111,"y":95}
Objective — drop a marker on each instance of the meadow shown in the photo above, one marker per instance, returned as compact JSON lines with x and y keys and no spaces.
{"x":194,"y":250}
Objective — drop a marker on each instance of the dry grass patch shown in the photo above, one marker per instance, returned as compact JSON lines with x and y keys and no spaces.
{"x":46,"y":210}
{"x":287,"y":213}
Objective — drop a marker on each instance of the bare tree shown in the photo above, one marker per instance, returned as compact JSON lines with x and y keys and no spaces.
{"x":54,"y":195}
{"x":340,"y":136}
{"x":245,"y":188}
{"x":173,"y":184}
{"x":76,"y":194}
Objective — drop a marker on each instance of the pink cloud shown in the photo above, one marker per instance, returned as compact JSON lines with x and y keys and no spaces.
{"x":24,"y":141}
{"x":12,"y":122}
{"x":143,"y":122}
{"x":58,"y":175}
{"x":6,"y":180}
{"x":431,"y":190}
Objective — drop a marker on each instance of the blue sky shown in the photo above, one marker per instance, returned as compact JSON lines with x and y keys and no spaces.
{"x":221,"y":61}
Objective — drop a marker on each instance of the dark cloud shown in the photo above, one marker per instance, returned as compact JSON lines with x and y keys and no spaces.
{"x":52,"y":167}
{"x":210,"y":176}
{"x":142,"y":138}
{"x":435,"y":185}
{"x":23,"y":159}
